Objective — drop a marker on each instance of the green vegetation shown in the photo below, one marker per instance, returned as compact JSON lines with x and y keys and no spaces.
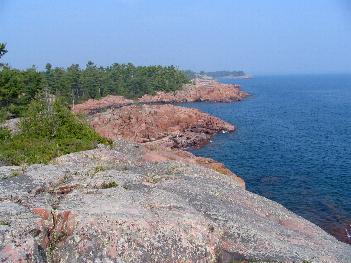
{"x":4,"y":223}
{"x":48,"y":130}
{"x":19,"y":87}
{"x":190,"y":74}
{"x":3,"y":49}
{"x":107,"y":185}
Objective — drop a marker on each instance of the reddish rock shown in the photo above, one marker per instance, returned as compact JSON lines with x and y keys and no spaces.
{"x":166,"y":125}
{"x":103,"y":103}
{"x":202,"y":90}
{"x":55,"y":228}
{"x":42,"y":212}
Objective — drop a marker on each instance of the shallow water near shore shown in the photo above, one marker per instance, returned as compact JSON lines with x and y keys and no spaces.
{"x":292,"y":144}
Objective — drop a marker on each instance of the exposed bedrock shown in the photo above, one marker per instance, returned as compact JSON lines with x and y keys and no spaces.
{"x":167,"y":125}
{"x":201,"y":90}
{"x":123,"y":205}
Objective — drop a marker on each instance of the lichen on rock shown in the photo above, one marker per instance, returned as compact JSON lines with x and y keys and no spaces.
{"x":160,"y":210}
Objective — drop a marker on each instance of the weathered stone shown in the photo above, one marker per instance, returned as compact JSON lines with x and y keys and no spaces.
{"x":166,"y":125}
{"x":202,"y":90}
{"x":157,"y":210}
{"x":103,"y":103}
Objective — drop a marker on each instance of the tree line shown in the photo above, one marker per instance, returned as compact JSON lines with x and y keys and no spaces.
{"x":75,"y":84}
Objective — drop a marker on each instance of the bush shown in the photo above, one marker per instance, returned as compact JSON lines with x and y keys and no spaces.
{"x":48,"y":130}
{"x":4,"y":134}
{"x":3,"y":115}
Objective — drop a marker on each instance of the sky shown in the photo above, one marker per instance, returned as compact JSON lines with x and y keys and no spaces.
{"x":259,"y":37}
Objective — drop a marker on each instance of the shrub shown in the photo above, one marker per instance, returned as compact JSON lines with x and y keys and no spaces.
{"x":4,"y":134}
{"x":48,"y":130}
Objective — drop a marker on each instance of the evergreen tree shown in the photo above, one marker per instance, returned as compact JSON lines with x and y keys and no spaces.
{"x":18,"y":88}
{"x":3,"y":49}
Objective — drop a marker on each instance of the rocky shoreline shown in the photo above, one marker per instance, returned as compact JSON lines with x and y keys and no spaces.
{"x":200,"y":90}
{"x":166,"y":125}
{"x":154,"y":122}
{"x":146,"y":199}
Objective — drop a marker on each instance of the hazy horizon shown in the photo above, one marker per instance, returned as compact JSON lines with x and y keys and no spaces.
{"x":262,"y":38}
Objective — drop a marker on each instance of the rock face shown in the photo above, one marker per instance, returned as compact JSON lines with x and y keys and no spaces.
{"x":115,"y":205}
{"x":167,"y":125}
{"x":202,"y":90}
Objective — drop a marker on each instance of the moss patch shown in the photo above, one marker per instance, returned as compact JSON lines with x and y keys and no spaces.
{"x":107,"y":185}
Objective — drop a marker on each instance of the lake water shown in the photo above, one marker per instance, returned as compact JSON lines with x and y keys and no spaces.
{"x":292,"y":144}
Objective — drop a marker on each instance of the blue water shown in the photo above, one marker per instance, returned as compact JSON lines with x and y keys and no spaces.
{"x":292,"y":144}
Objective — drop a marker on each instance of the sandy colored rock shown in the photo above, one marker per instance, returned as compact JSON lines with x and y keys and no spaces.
{"x":123,"y":208}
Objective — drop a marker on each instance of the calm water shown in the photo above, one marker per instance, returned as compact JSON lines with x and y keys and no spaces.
{"x":292,"y":145}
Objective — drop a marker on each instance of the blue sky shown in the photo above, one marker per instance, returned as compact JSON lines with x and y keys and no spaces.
{"x":261,"y":37}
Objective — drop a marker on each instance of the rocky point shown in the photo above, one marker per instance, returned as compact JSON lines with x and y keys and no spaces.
{"x":167,"y":125}
{"x":200,"y":90}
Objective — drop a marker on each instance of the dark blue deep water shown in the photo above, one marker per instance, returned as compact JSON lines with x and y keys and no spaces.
{"x":292,"y":144}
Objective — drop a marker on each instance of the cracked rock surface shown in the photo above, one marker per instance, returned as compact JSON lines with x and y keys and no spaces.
{"x":167,"y":125}
{"x":117,"y":205}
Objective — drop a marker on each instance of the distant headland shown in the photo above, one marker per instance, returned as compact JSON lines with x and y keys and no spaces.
{"x":235,"y":74}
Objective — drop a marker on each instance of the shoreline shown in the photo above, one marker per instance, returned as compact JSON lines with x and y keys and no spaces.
{"x":187,"y":142}
{"x":200,"y":90}
{"x":183,"y":129}
{"x":165,"y":105}
{"x":157,"y":122}
{"x":340,"y":229}
{"x":114,"y":201}
{"x":178,"y":139}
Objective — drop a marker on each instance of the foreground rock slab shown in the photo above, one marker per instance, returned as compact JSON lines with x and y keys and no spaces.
{"x":117,"y":205}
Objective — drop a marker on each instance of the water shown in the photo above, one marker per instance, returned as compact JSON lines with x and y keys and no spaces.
{"x":292,"y":144}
